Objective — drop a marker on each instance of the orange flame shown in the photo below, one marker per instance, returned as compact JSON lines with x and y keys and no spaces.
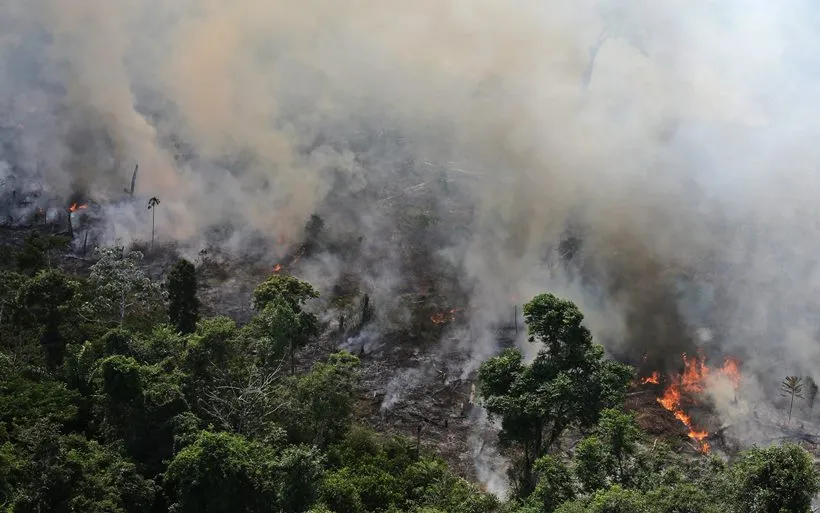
{"x":277,"y":268}
{"x":693,"y":381}
{"x":74,"y":207}
{"x":731,"y":370}
{"x":654,"y":379}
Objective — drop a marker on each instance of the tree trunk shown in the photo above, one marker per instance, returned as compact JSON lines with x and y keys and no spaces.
{"x":791,"y":404}
{"x":122,"y":308}
{"x":292,"y":359}
{"x":153,"y":215}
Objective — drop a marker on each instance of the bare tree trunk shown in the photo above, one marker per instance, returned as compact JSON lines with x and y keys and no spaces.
{"x":791,"y":404}
{"x":122,"y":308}
{"x":515,"y":318}
{"x":153,"y":216}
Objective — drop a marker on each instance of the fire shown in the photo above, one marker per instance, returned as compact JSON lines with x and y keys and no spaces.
{"x":74,"y":207}
{"x":694,"y":374}
{"x":731,"y":370}
{"x":654,"y":379}
{"x":693,"y":381}
{"x":443,"y":317}
{"x":277,"y":268}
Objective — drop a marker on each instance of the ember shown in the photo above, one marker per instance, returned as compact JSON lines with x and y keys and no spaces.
{"x":443,"y":317}
{"x":74,"y":207}
{"x":654,"y":379}
{"x":277,"y":268}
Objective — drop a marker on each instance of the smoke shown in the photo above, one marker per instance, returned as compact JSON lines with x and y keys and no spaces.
{"x":671,"y":141}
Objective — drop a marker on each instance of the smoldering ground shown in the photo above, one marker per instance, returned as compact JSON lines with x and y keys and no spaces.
{"x":672,"y":141}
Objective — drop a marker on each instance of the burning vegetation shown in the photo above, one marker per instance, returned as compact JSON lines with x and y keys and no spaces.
{"x":446,"y":316}
{"x":77,"y":206}
{"x":681,"y":391}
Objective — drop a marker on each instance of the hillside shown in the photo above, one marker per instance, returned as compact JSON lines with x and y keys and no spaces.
{"x":112,"y":400}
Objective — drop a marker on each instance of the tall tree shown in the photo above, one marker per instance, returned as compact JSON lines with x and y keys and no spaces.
{"x":121,"y":284}
{"x":569,"y":383}
{"x":152,"y":206}
{"x":183,"y":305}
{"x":620,"y":433}
{"x":45,"y":303}
{"x":295,"y":291}
{"x":792,"y":387}
{"x":281,"y":299}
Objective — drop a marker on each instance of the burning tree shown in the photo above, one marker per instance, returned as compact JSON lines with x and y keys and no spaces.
{"x":568,"y":384}
{"x":792,"y":387}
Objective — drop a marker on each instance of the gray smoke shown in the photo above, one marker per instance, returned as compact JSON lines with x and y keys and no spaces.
{"x":652,"y":160}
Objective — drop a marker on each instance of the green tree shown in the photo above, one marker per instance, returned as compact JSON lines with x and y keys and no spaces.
{"x":611,"y":500}
{"x":319,"y":405}
{"x":620,"y":433}
{"x":10,"y":283}
{"x":26,"y":398}
{"x":293,"y":290}
{"x":212,"y":347}
{"x":138,"y":405}
{"x":278,"y":331}
{"x":569,"y":382}
{"x":183,"y":305}
{"x":554,"y":484}
{"x":299,"y":470}
{"x":64,"y":474}
{"x":683,"y":498}
{"x":591,"y":464}
{"x":340,"y":493}
{"x":780,"y":478}
{"x":46,"y":304}
{"x":222,"y":473}
{"x":37,"y":250}
{"x":283,"y":320}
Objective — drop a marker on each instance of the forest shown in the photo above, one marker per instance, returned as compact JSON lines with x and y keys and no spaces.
{"x":118,"y":395}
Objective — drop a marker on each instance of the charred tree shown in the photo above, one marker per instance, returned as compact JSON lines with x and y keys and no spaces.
{"x":183,"y":305}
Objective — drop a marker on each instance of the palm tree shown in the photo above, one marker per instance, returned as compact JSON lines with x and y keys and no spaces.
{"x":152,"y":204}
{"x":792,"y":387}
